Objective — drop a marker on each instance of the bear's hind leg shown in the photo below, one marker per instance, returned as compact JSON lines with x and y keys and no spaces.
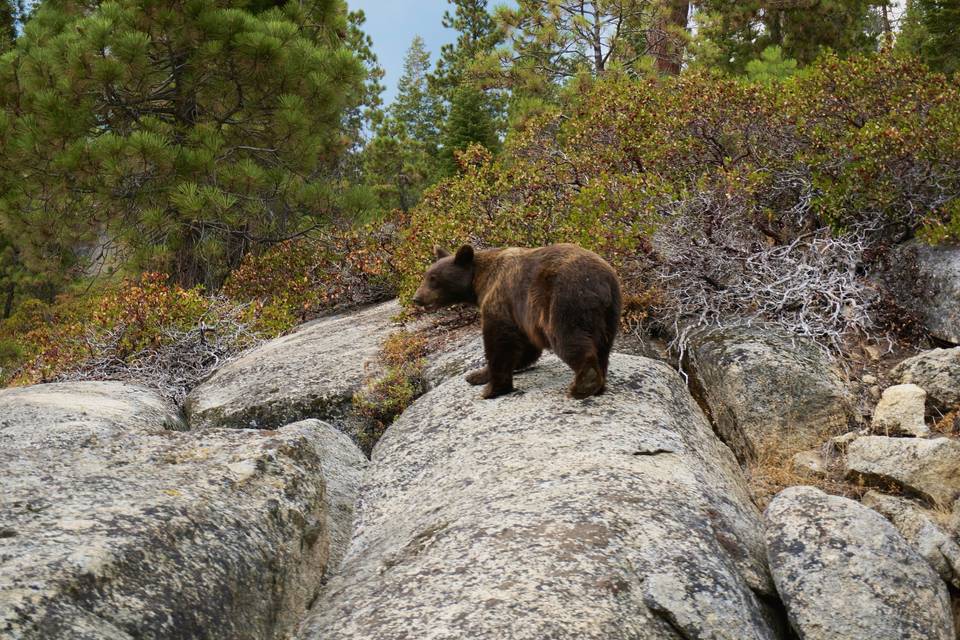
{"x":589,"y":381}
{"x":580,"y":354}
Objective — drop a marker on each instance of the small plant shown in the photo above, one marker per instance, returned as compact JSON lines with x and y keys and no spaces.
{"x":385,"y":396}
{"x":403,"y":347}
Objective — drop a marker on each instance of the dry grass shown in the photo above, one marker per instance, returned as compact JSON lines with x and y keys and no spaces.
{"x":949,"y":424}
{"x":773,"y":469}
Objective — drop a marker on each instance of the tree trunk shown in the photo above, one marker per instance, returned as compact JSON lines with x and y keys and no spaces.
{"x":774,"y":23}
{"x":187,"y":269}
{"x":598,"y":62}
{"x":8,"y":302}
{"x":667,"y":46}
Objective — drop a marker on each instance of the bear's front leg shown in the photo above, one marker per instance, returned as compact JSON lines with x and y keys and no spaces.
{"x":501,"y":344}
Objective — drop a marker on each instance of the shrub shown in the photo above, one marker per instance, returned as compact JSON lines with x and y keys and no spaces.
{"x":145,"y":331}
{"x":301,"y":279}
{"x":386,"y":395}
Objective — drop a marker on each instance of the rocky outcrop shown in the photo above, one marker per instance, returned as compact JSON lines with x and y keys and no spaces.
{"x":72,"y":413}
{"x":901,"y":411}
{"x":537,"y":516}
{"x":929,"y":468}
{"x":937,"y":372}
{"x":924,"y":281}
{"x":766,"y":388}
{"x":113,"y":526}
{"x":917,"y":526}
{"x":845,"y":573}
{"x":938,"y":298}
{"x":310,"y":373}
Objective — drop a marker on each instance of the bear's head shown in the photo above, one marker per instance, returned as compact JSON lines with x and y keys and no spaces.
{"x":449,"y":280}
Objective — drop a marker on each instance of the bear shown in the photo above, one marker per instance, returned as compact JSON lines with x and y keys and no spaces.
{"x":559,"y":297}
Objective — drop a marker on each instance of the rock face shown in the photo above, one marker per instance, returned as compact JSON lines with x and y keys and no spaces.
{"x":535,"y":516}
{"x":114,"y":527}
{"x":310,"y":373}
{"x":939,"y":303}
{"x":918,"y":528}
{"x":845,"y":573}
{"x":901,"y":410}
{"x":456,"y":361}
{"x":75,"y":412}
{"x":937,"y":372}
{"x":761,"y":386}
{"x":929,"y":468}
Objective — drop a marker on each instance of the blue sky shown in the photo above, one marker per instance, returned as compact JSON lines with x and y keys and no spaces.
{"x":393,"y":23}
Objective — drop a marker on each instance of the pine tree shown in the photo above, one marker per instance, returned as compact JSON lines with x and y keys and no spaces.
{"x":397,"y":167}
{"x":8,"y":25}
{"x":731,"y":34}
{"x":931,"y":30}
{"x":469,"y":122}
{"x":415,"y":106}
{"x":401,"y":159}
{"x":477,"y":35}
{"x":186,"y":133}
{"x":771,"y":67}
{"x":369,"y":107}
{"x":669,"y":35}
{"x":558,"y":40}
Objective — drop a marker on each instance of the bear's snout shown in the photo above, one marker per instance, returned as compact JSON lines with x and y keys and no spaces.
{"x":422,"y":298}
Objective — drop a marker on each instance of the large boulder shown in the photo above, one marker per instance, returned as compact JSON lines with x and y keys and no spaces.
{"x":918,"y":527}
{"x":113,"y":526}
{"x":939,"y":302}
{"x":937,"y":372}
{"x":929,"y":468}
{"x":536,"y":516}
{"x":310,"y":373}
{"x":845,"y":573}
{"x":766,"y":388}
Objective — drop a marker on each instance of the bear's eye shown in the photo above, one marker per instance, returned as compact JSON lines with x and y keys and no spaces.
{"x":433,"y":279}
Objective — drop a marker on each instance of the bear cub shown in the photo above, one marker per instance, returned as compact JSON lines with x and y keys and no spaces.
{"x":561,"y":297}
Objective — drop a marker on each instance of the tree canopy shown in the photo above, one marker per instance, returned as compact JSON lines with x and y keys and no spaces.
{"x":182,"y":132}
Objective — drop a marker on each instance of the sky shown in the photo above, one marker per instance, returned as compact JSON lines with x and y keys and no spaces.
{"x":393,"y":23}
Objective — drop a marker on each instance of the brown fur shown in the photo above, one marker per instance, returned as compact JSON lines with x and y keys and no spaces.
{"x":560,"y":297}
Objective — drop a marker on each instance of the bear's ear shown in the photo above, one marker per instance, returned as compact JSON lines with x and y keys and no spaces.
{"x":439,"y":253}
{"x":464,"y":256}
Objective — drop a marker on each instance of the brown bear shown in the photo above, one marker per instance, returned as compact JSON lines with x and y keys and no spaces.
{"x":561,"y":297}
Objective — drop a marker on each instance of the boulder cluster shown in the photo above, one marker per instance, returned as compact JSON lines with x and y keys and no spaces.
{"x":250,"y":512}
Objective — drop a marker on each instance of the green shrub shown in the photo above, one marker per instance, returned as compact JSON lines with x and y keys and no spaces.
{"x":304,"y":278}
